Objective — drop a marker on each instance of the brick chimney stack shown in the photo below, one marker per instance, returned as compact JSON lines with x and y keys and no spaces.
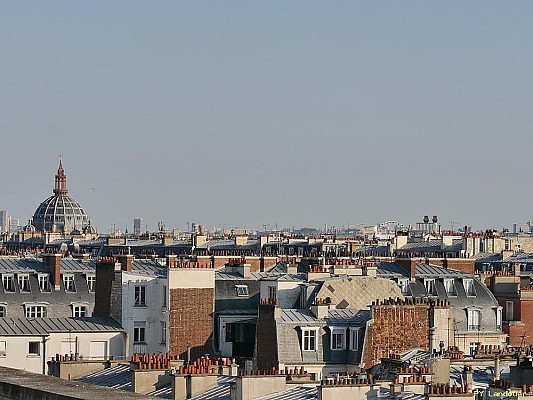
{"x":53,"y":262}
{"x":126,"y":261}
{"x":108,"y":290}
{"x":171,"y":260}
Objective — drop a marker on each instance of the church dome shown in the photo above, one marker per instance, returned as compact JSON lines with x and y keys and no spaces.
{"x":60,"y":212}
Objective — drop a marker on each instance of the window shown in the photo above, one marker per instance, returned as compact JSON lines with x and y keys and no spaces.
{"x":474,"y":320}
{"x":68,"y":282}
{"x":230,"y":332}
{"x":3,"y":312}
{"x":140,"y":296}
{"x":354,"y":339}
{"x":24,"y":282}
{"x":337,"y":338}
{"x":404,"y":285}
{"x":79,"y":311}
{"x":509,"y":312}
{"x":163,"y":332}
{"x":2,"y":349}
{"x":9,"y":283}
{"x":309,"y":338}
{"x":164,"y":298}
{"x":450,"y":287}
{"x":469,"y":287}
{"x":91,"y":282}
{"x":139,"y":330}
{"x":473,"y":348}
{"x":44,"y":283}
{"x":431,"y":289}
{"x":35,"y":311}
{"x":33,"y":348}
{"x":498,"y":318}
{"x":242,"y":290}
{"x":272,"y":292}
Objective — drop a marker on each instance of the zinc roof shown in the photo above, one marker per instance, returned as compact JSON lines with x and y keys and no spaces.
{"x":44,"y":326}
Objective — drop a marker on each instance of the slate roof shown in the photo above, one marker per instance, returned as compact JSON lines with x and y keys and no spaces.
{"x":428,"y":270}
{"x":345,"y":316}
{"x":297,"y":316}
{"x":10,"y":264}
{"x":148,"y":267}
{"x":44,"y":326}
{"x":390,"y":270}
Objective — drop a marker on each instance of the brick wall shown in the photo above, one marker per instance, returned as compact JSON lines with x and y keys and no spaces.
{"x":191,"y":321}
{"x":460,"y":264}
{"x":395,"y":329}
{"x":266,"y":351}
{"x":522,"y":323}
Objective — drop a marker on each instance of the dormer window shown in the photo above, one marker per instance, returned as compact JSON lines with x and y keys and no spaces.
{"x":91,"y":282}
{"x":8,"y":282}
{"x":44,"y":283}
{"x":474,"y":319}
{"x":338,"y":338}
{"x":449,"y":286}
{"x":24,"y":283}
{"x":242,"y":290}
{"x":469,"y":287}
{"x":309,"y":339}
{"x":68,"y":282}
{"x":431,"y":289}
{"x":35,"y":311}
{"x":79,"y":310}
{"x":354,"y":339}
{"x":272,"y":292}
{"x":403,"y":283}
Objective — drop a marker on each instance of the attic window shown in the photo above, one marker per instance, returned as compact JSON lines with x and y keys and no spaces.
{"x":68,"y":281}
{"x":403,"y":283}
{"x":9,"y":283}
{"x":309,"y":339}
{"x":338,"y":338}
{"x":450,"y":287}
{"x":430,"y":287}
{"x":24,"y":282}
{"x":242,"y":290}
{"x":44,"y":283}
{"x":469,"y":287}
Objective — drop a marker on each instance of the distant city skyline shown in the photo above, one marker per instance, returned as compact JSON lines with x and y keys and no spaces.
{"x":250,"y":113}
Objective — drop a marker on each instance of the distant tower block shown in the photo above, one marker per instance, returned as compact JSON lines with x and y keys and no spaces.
{"x":137,"y":226}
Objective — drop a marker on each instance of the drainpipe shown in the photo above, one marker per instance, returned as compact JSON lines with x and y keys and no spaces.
{"x":44,"y":354}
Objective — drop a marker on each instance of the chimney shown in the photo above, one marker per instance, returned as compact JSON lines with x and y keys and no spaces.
{"x":171,"y":260}
{"x":292,"y":268}
{"x":497,"y":368}
{"x":198,"y":239}
{"x":370,"y":270}
{"x":468,"y":376}
{"x":108,"y":290}
{"x":53,"y":262}
{"x":126,"y":261}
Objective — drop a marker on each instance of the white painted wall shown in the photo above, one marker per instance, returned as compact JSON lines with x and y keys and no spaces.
{"x":17,"y":354}
{"x":287,"y":292}
{"x":198,"y":278}
{"x":152,"y":314}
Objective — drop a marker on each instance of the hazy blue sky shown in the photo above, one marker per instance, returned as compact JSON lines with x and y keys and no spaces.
{"x":235,"y":113}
